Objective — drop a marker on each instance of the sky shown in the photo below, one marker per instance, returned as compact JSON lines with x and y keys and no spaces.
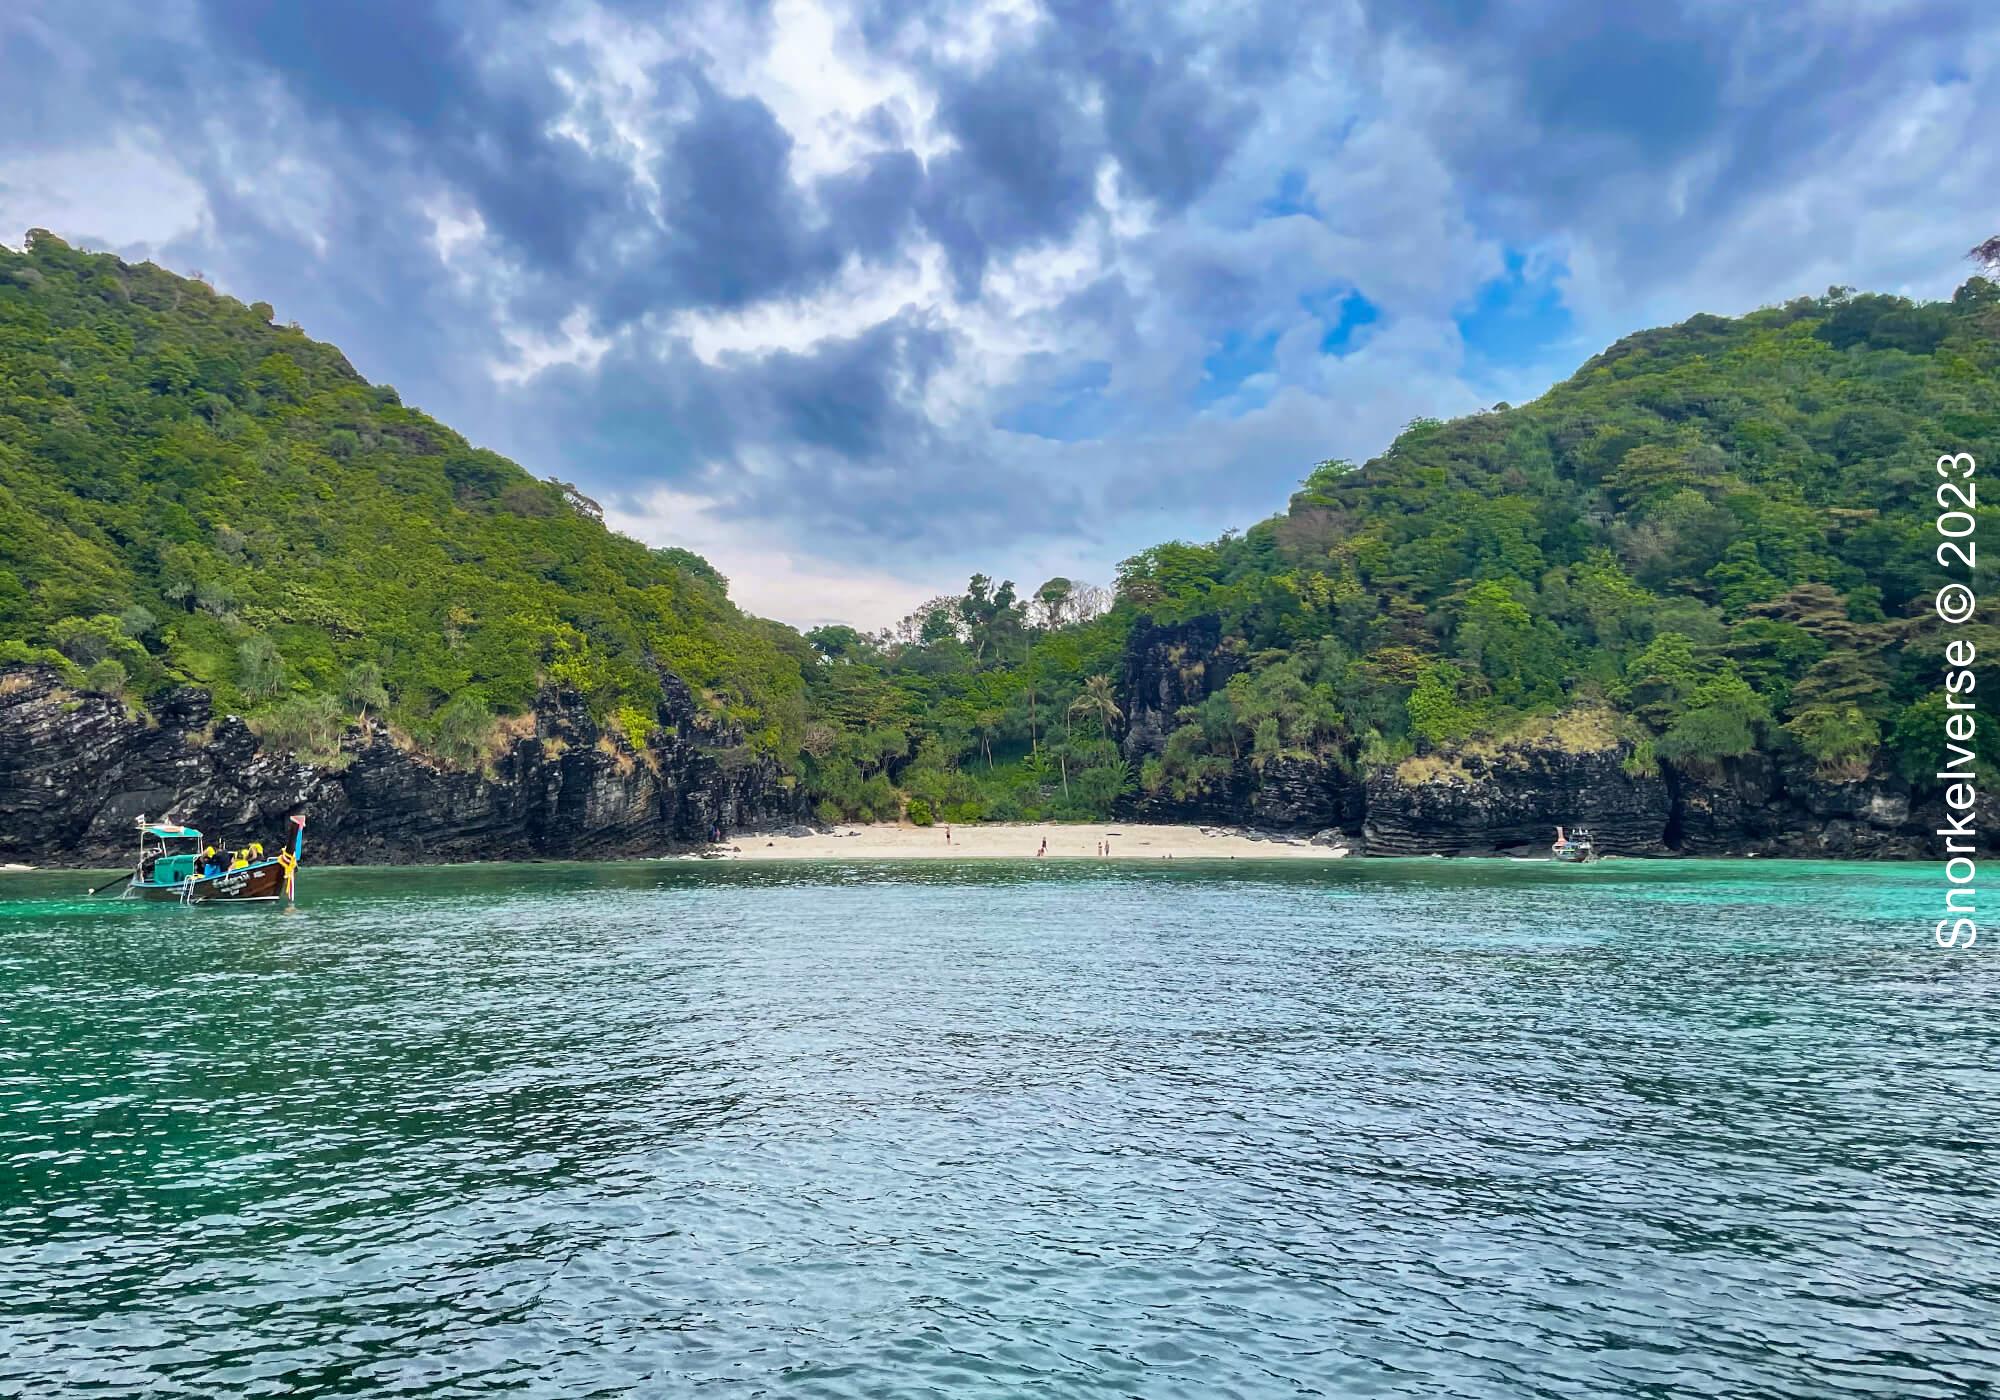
{"x":858,"y":299}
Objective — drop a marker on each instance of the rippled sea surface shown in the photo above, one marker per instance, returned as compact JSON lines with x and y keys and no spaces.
{"x":1375,"y":1129}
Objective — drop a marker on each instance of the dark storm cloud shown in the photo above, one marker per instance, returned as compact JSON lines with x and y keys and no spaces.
{"x":1025,"y":167}
{"x":400,"y":79}
{"x":1033,"y":124}
{"x":874,"y":201}
{"x":406,"y":84}
{"x":1596,"y":106}
{"x":739,"y":228}
{"x":1171,"y":130}
{"x":855,"y":396}
{"x":1170,"y":119}
{"x":845,"y":455}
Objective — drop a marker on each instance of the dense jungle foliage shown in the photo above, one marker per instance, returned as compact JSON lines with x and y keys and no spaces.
{"x":1723,"y":531}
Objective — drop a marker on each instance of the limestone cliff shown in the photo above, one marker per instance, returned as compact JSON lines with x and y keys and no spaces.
{"x":76,"y":772}
{"x":1485,"y":797}
{"x":1486,"y":800}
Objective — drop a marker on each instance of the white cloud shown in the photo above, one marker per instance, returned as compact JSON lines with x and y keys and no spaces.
{"x":768,"y":577}
{"x":125,"y":195}
{"x":575,"y":344}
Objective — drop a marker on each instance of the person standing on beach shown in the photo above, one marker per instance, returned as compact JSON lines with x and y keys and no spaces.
{"x":947,"y":833}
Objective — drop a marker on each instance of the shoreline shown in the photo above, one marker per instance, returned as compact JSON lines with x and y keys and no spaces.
{"x":1024,"y":841}
{"x":902,"y":841}
{"x":1010,"y":841}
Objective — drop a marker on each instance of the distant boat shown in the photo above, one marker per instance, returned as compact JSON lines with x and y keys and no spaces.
{"x":170,"y":868}
{"x":1576,"y":848}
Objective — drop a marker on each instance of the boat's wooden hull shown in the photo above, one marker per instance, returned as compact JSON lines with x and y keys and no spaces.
{"x":252,"y":883}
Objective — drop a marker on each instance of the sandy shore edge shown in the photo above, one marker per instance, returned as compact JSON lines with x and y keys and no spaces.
{"x":1027,"y":841}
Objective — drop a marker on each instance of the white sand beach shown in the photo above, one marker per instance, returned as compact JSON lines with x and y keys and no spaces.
{"x":1023,"y":840}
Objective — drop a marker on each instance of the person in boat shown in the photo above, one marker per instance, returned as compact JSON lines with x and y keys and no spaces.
{"x":211,"y":865}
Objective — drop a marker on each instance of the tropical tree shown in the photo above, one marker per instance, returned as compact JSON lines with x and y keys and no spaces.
{"x":362,"y":688}
{"x":1097,"y":699}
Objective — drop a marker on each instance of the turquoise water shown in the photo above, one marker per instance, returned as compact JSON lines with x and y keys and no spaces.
{"x":1374,"y":1129}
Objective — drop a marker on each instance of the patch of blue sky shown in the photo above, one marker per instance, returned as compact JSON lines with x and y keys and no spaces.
{"x":1291,"y":198}
{"x":1234,"y":368}
{"x":1517,"y":316}
{"x":1343,"y":311}
{"x":1071,"y":408}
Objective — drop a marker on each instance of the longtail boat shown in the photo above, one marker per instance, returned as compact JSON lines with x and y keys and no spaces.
{"x":171,"y":867}
{"x":1579,"y":847}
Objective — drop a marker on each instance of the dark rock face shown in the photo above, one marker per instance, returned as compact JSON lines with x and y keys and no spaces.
{"x":1755,"y":805}
{"x":1752,"y":806}
{"x":1472,"y":803}
{"x":1294,"y":794}
{"x":1731,"y":812}
{"x":1479,"y":804}
{"x":1288,"y":795}
{"x":1169,"y":667}
{"x":1166,"y":668}
{"x":76,"y":772}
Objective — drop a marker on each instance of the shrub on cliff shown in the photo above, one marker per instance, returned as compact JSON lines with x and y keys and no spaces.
{"x":1839,"y":739}
{"x":308,"y":725}
{"x":462,"y":733}
{"x":1723,"y":719}
{"x":107,"y":677}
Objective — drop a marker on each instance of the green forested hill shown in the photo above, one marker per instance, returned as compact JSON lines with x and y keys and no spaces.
{"x":1723,"y":531}
{"x":190,"y":493}
{"x":1720,"y":530}
{"x":1724,"y":528}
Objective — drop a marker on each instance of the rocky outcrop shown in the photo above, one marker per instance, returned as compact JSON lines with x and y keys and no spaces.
{"x":1483,"y":798}
{"x":1755,"y":805}
{"x":1512,"y":798}
{"x":1480,"y":803}
{"x":1489,"y":802}
{"x":1166,"y":668}
{"x":77,"y":771}
{"x":1289,"y":794}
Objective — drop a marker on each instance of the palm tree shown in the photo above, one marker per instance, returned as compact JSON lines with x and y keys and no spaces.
{"x":1096,"y":698}
{"x":988,"y":722}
